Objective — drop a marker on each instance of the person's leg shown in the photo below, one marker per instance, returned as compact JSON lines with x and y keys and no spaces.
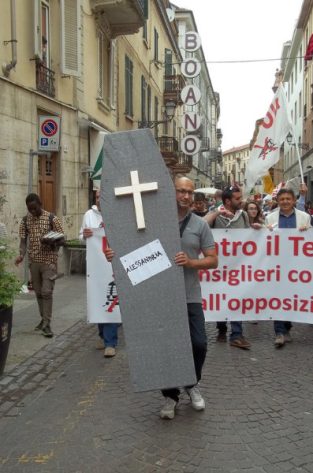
{"x":110,"y":339}
{"x":109,"y":334}
{"x":100,"y":344}
{"x":37,"y":282}
{"x":280,"y":327}
{"x":236,"y":330}
{"x":236,"y":338}
{"x":199,"y":348}
{"x":198,"y":336}
{"x":221,"y":327}
{"x":47,"y":274}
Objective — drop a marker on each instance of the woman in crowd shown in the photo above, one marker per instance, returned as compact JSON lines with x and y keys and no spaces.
{"x":254,"y":212}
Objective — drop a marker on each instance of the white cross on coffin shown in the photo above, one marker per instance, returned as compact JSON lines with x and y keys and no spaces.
{"x":136,"y":190}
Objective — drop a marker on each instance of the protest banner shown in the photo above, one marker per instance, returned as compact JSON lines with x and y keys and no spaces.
{"x":262,"y":275}
{"x":102,"y":300}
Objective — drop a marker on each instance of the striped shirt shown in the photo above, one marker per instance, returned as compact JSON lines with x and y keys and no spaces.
{"x":34,"y":230}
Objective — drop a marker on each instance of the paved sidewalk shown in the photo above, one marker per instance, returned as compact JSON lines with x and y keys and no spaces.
{"x":66,"y":409}
{"x":69,"y":307}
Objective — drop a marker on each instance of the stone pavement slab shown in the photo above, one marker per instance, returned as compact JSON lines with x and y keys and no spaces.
{"x":82,"y":416}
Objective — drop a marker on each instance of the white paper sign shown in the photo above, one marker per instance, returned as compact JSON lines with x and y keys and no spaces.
{"x":145,"y":262}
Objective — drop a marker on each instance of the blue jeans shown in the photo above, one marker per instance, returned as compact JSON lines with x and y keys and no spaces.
{"x":198,"y":343}
{"x":109,"y":334}
{"x":236,"y":329}
{"x":281,"y":327}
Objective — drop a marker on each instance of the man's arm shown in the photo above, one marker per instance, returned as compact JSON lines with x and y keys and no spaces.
{"x":210,"y":260}
{"x":23,"y":243}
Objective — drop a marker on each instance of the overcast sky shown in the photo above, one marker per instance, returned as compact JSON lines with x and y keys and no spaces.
{"x":243,"y":30}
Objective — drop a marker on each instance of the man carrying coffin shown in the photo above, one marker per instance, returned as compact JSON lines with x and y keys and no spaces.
{"x":196,"y":237}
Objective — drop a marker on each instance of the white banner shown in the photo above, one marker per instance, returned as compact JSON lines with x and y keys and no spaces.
{"x":261,"y":275}
{"x":102,"y":300}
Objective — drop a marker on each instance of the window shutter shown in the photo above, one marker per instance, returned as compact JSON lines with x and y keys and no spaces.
{"x":100,"y":65}
{"x":112,"y":72}
{"x":70,"y":37}
{"x":37,"y":28}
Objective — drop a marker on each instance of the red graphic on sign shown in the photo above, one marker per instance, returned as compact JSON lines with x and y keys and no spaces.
{"x":49,"y":127}
{"x":268,"y":147}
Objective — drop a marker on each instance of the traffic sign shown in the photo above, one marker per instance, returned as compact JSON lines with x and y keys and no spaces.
{"x":49,"y":133}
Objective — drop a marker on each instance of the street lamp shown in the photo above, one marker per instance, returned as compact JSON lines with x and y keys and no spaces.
{"x":304,"y":146}
{"x":169,"y":112}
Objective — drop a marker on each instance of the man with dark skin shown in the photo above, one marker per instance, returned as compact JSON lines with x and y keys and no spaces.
{"x":42,"y":256}
{"x":196,"y":237}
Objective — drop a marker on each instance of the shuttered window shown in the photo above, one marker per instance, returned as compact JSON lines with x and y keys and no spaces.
{"x":70,"y":37}
{"x":42,"y":31}
{"x":128,"y":86}
{"x":156,"y":45}
{"x":104,"y":69}
{"x":143,"y":99}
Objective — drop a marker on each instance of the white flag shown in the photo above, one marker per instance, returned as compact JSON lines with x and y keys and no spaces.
{"x":272,"y":133}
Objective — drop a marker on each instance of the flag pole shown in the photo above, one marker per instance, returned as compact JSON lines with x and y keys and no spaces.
{"x":299,"y":159}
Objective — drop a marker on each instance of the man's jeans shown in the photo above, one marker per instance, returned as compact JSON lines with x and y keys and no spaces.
{"x":281,"y":327}
{"x":236,"y":329}
{"x":198,"y":342}
{"x":108,"y":332}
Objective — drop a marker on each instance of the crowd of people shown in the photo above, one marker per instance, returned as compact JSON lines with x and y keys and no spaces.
{"x":197,"y":215}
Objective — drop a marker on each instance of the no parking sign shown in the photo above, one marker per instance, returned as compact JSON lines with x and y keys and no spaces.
{"x":49,"y":133}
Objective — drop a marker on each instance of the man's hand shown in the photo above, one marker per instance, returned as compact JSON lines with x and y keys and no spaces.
{"x":303,"y":229}
{"x":18,"y":260}
{"x":303,"y":189}
{"x":109,"y":254}
{"x":87,"y":233}
{"x":181,"y":259}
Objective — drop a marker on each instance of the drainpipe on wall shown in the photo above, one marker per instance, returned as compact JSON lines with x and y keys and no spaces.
{"x":6,"y":68}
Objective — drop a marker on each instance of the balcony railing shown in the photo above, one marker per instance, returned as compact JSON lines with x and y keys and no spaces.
{"x":173,"y":86}
{"x":169,"y":149}
{"x":45,"y":79}
{"x":184,"y":165}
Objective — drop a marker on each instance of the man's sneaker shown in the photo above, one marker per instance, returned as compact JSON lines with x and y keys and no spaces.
{"x":240,"y":342}
{"x":39,"y":326}
{"x":221,"y":337}
{"x":109,"y":352}
{"x":47,"y":332}
{"x":168,"y":410}
{"x":280,"y":340}
{"x":196,"y":399}
{"x":287,"y":337}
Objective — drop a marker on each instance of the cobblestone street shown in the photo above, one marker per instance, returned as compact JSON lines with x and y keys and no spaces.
{"x":66,"y":409}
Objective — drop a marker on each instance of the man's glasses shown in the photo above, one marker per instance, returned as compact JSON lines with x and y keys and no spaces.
{"x":185,"y":191}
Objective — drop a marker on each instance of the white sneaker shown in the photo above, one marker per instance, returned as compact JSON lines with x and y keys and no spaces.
{"x":196,"y":399}
{"x":168,"y":410}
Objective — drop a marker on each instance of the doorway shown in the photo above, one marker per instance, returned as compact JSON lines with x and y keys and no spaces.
{"x":47,"y":181}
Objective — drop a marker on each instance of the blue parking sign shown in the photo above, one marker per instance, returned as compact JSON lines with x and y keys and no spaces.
{"x":44,"y":141}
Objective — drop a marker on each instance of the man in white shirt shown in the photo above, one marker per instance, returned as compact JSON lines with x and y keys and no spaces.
{"x":107,"y":331}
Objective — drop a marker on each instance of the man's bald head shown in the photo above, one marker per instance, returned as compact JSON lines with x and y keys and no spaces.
{"x":181,"y":180}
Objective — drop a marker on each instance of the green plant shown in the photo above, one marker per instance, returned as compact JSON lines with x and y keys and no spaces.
{"x":9,"y":282}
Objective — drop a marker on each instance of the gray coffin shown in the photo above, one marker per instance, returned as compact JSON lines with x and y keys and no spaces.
{"x":154,"y":312}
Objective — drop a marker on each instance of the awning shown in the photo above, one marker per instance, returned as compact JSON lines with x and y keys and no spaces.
{"x":96,"y":154}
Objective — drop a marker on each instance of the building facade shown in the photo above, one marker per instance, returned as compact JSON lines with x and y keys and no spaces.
{"x":86,"y":68}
